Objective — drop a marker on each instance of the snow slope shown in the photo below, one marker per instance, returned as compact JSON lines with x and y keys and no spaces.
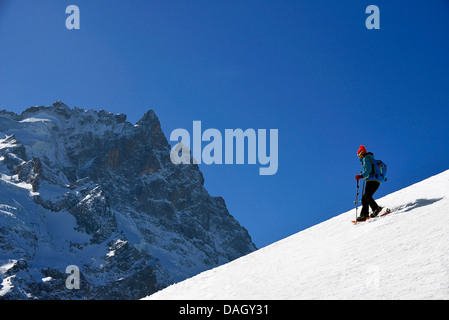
{"x":400,"y":256}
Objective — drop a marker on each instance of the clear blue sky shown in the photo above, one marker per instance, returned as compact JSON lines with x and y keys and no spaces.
{"x":310,"y":69}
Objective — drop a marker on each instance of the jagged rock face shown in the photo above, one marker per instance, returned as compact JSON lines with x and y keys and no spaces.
{"x":90,"y":189}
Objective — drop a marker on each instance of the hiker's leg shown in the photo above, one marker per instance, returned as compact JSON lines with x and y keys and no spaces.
{"x":371,"y":188}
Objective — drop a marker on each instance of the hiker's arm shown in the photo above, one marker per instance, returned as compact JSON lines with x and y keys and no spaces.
{"x":366,"y":167}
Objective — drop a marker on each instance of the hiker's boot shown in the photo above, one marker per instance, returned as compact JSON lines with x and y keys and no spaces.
{"x":376,"y":212}
{"x":362,"y":218}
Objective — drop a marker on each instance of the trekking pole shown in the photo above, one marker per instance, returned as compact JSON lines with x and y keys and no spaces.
{"x":357,"y":201}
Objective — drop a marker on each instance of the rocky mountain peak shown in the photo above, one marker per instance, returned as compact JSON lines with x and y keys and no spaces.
{"x":110,"y":182}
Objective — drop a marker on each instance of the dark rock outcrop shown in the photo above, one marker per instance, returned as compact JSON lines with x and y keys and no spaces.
{"x":88,"y":188}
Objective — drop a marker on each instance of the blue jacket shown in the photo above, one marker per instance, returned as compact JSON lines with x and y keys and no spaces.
{"x":368,"y":171}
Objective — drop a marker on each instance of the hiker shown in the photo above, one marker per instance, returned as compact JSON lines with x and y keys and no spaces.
{"x":372,"y":184}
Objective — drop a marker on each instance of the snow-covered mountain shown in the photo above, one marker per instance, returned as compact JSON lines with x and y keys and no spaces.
{"x":403,"y":255}
{"x":87,"y":188}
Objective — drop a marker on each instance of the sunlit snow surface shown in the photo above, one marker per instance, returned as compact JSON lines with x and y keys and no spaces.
{"x":403,"y":255}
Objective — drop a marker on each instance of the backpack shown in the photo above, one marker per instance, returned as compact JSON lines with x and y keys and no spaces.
{"x":380,"y":170}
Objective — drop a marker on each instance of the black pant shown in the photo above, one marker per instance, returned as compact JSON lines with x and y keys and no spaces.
{"x":367,"y":198}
